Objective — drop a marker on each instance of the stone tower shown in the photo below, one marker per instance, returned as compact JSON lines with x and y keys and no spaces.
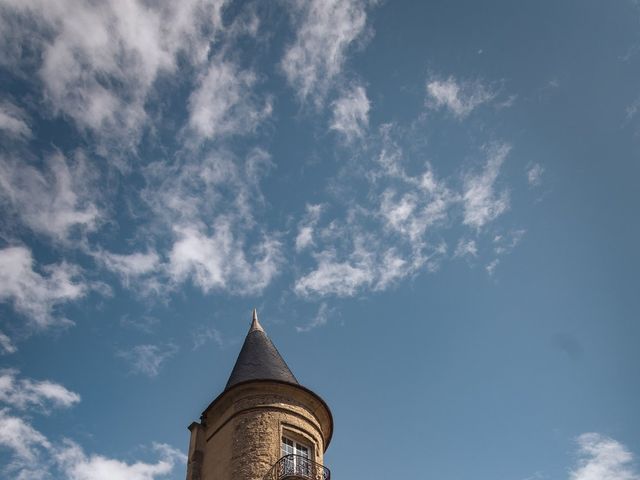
{"x":264,"y":425}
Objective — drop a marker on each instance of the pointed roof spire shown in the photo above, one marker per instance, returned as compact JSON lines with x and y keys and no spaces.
{"x":259,"y":359}
{"x":255,"y":324}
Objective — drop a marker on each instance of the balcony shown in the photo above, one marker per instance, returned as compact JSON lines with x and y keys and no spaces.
{"x":297,"y":467}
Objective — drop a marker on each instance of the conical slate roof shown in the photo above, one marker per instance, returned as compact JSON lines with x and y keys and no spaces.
{"x":259,"y":359}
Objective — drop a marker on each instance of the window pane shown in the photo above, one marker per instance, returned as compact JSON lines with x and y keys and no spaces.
{"x":287,"y":446}
{"x":302,"y":450}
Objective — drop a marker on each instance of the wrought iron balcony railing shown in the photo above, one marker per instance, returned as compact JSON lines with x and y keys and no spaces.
{"x":297,"y":467}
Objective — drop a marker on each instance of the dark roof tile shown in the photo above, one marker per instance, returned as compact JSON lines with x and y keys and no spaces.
{"x":259,"y":359}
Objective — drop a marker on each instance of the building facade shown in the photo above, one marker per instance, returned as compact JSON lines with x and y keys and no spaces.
{"x":264,"y":425}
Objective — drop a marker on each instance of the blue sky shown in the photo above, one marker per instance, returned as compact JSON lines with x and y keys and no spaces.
{"x":433,"y":205}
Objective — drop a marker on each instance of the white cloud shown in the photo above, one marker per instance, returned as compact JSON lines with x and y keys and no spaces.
{"x":148,"y":359}
{"x":304,"y":237}
{"x":399,"y":226}
{"x":133,"y":267}
{"x":36,"y":295}
{"x":394,"y":267}
{"x":22,"y":439}
{"x":342,"y":275}
{"x":413,"y":212}
{"x":534,"y":175}
{"x":25,"y":393}
{"x":13,"y":121}
{"x":306,"y":227}
{"x":143,"y":323}
{"x":33,"y":456}
{"x":99,"y":63}
{"x":364,"y":260}
{"x":325,"y":29}
{"x":369,"y":263}
{"x":223,"y":103}
{"x":333,"y":277}
{"x":206,"y":334}
{"x":466,"y":248}
{"x":197,"y":190}
{"x":210,"y":208}
{"x":218,"y":261}
{"x":415,"y":204}
{"x":77,"y":465}
{"x":482,"y":204}
{"x":399,"y":212}
{"x":505,"y":243}
{"x":6,"y":345}
{"x":460,"y":98}
{"x":603,"y":458}
{"x":56,"y":203}
{"x":351,"y":113}
{"x":319,"y":320}
{"x":492,"y":265}
{"x":189,"y":191}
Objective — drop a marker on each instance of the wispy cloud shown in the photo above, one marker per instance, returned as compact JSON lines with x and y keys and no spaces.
{"x":459,"y":98}
{"x":13,"y":121}
{"x":336,"y":277}
{"x":466,"y":247}
{"x":132,"y":264}
{"x":491,"y":266}
{"x":399,"y":227}
{"x":534,"y":175}
{"x":325,"y":29}
{"x":198,"y":190}
{"x":223,"y":102}
{"x":35,"y":295}
{"x":218,"y":261}
{"x":306,"y":227}
{"x":196,"y":216}
{"x":351,"y":113}
{"x":24,"y":441}
{"x":204,"y":335}
{"x":28,"y":449}
{"x":482,"y":203}
{"x":505,"y":243}
{"x":22,"y":393}
{"x":102,"y":70}
{"x":319,"y":320}
{"x":603,"y":458}
{"x":78,"y":465}
{"x":363,"y":262}
{"x":208,"y":208}
{"x":412,"y":211}
{"x":148,"y":359}
{"x":34,"y":456}
{"x":98,"y":65}
{"x":143,"y":323}
{"x":58,"y":202}
{"x":6,"y":345}
{"x":31,"y":455}
{"x":133,"y":267}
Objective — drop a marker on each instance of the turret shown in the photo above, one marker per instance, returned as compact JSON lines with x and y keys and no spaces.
{"x":264,"y":425}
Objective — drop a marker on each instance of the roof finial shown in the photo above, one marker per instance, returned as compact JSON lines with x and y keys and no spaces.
{"x":255,"y":324}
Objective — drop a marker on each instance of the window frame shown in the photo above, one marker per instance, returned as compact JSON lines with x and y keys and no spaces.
{"x":296,"y":446}
{"x":299,"y":463}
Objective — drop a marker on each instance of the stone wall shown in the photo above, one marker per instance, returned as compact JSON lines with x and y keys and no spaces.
{"x":241,"y":432}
